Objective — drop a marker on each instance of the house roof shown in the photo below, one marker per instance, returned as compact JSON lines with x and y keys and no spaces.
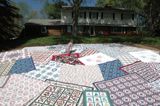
{"x":98,"y":8}
{"x":45,"y":22}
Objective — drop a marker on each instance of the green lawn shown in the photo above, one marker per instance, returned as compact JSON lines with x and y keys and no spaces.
{"x":51,"y":40}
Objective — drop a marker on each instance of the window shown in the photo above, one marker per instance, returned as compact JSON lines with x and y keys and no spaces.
{"x":113,"y":16}
{"x":72,"y":14}
{"x":90,"y":15}
{"x":97,"y":15}
{"x":81,"y":15}
{"x":85,"y":15}
{"x":132,"y":16}
{"x":122,"y":16}
{"x":94,"y":15}
{"x":43,"y":29}
{"x":102,"y":15}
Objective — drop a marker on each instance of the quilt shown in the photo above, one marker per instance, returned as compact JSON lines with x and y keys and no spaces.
{"x":79,"y":74}
{"x":127,"y":59}
{"x":111,"y":70}
{"x":87,"y":52}
{"x":3,"y":80}
{"x":5,"y":67}
{"x":43,"y":57}
{"x":96,"y":98}
{"x":15,"y":55}
{"x":142,"y":69}
{"x":58,"y":96}
{"x":95,"y":59}
{"x":20,"y":89}
{"x":155,"y":84}
{"x":22,"y":66}
{"x":130,"y":90}
{"x":47,"y":71}
{"x":71,"y":59}
{"x":146,"y":56}
{"x":71,"y":86}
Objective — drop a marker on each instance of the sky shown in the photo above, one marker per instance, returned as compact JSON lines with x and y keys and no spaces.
{"x":38,"y":4}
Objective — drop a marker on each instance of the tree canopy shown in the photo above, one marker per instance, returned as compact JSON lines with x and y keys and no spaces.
{"x":9,"y":20}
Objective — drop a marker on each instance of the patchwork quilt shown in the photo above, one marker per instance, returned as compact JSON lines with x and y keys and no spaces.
{"x":15,"y":55}
{"x":67,"y":58}
{"x":127,"y":59}
{"x":5,"y":67}
{"x":71,"y":86}
{"x":47,"y":71}
{"x":130,"y":90}
{"x":43,"y":57}
{"x":111,"y":70}
{"x":20,"y":89}
{"x":155,"y":84}
{"x":95,"y":59}
{"x":22,"y":66}
{"x":58,"y":96}
{"x":79,"y":74}
{"x":146,"y":56}
{"x":96,"y":98}
{"x":142,"y":69}
{"x":3,"y":80}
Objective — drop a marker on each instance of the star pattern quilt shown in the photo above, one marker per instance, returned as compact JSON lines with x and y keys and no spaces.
{"x":5,"y":67}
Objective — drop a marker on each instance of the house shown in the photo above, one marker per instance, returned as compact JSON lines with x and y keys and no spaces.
{"x":92,"y":21}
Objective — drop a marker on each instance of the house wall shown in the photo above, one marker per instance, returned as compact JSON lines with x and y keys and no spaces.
{"x":66,"y":18}
{"x":55,"y":30}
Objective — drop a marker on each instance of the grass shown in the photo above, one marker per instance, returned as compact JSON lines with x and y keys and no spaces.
{"x":51,"y":40}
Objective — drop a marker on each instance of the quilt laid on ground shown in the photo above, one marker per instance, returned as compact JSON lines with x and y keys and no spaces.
{"x":130,"y":90}
{"x":95,"y":59}
{"x":3,"y":80}
{"x":111,"y":70}
{"x":22,"y":66}
{"x":127,"y":59}
{"x":47,"y":71}
{"x":5,"y":67}
{"x":88,"y":52}
{"x":58,"y":96}
{"x":43,"y":57}
{"x":142,"y":69}
{"x":96,"y":98}
{"x":146,"y":56}
{"x":79,"y":74}
{"x":15,"y":55}
{"x":155,"y":84}
{"x":71,"y":86}
{"x":71,"y":59}
{"x":20,"y":89}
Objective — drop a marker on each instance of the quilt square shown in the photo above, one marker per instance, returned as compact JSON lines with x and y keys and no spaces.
{"x":71,"y":59}
{"x":5,"y":67}
{"x":71,"y":86}
{"x":87,"y":52}
{"x":146,"y":56}
{"x":20,"y":89}
{"x":43,"y":57}
{"x":22,"y":66}
{"x":130,"y":90}
{"x":95,"y":59}
{"x":47,"y":71}
{"x":58,"y":96}
{"x":79,"y":74}
{"x":111,"y":70}
{"x":96,"y":98}
{"x":142,"y":69}
{"x":15,"y":55}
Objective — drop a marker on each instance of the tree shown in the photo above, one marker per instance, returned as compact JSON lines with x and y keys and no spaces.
{"x":152,"y":12}
{"x":75,"y":9}
{"x":9,"y":20}
{"x":53,"y":10}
